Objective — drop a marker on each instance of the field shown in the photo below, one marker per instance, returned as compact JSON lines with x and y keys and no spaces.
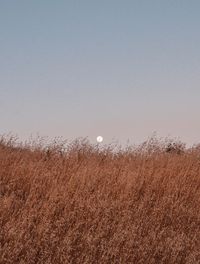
{"x":85,"y":204}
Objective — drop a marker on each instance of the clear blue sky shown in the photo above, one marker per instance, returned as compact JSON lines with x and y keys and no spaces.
{"x":119,"y":68}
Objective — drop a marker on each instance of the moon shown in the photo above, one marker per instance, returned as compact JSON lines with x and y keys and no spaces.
{"x":99,"y":139}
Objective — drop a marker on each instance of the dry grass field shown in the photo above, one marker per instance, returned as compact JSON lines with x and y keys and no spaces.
{"x":87,"y":204}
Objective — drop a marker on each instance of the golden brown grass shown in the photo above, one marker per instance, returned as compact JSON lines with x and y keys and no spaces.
{"x":91,"y":205}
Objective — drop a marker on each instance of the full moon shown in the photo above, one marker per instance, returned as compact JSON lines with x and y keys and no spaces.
{"x":99,"y":139}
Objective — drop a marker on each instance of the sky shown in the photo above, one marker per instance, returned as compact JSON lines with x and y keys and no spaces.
{"x":122,"y":69}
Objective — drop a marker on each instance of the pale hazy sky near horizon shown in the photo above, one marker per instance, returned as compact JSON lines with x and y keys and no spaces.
{"x":117,"y":68}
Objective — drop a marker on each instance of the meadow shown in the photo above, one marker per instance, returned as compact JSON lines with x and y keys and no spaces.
{"x":79,"y":203}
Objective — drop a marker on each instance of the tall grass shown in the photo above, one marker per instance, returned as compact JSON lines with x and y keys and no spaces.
{"x":82,"y":204}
